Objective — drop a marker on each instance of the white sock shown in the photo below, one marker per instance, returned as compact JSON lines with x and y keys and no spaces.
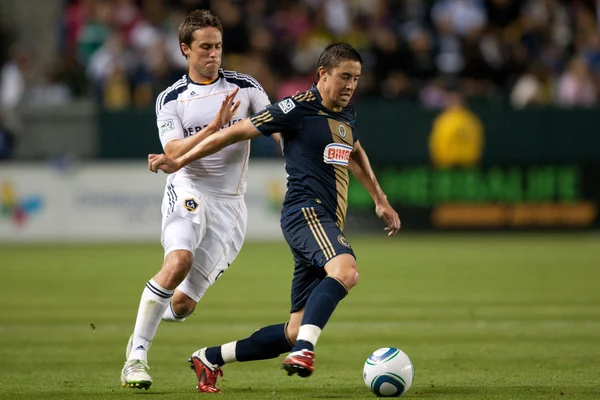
{"x":309,"y":333}
{"x":170,"y":316}
{"x":228,"y":352}
{"x":155,"y":300}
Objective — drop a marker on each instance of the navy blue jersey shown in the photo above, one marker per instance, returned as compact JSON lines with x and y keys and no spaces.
{"x":317,"y":143}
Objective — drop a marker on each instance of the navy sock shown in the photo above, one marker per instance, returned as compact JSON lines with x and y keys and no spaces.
{"x":265,"y":343}
{"x":213,"y":355}
{"x":320,"y":306}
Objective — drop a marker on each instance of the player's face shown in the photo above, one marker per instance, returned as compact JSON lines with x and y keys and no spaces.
{"x":340,"y":83}
{"x":204,"y":53}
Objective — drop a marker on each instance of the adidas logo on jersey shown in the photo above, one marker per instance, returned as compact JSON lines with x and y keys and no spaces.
{"x":337,"y":153}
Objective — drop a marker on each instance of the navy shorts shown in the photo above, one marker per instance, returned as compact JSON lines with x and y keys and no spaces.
{"x":314,"y":238}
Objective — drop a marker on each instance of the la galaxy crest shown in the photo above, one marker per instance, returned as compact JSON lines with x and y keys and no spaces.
{"x":190,"y":205}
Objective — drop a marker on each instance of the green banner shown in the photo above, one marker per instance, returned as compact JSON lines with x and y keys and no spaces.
{"x":550,"y":196}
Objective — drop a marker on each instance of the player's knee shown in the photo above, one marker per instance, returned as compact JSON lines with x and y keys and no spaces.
{"x":344,"y":269}
{"x":350,"y":277}
{"x":354,"y":278}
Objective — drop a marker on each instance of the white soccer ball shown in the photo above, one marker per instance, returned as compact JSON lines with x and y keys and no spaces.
{"x":388,"y":372}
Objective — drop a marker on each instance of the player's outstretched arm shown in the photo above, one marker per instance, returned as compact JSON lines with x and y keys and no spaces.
{"x":243,"y":130}
{"x":361,"y":168}
{"x":178,"y":147}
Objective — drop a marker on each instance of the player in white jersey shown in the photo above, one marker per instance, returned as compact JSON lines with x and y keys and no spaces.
{"x":204,"y":214}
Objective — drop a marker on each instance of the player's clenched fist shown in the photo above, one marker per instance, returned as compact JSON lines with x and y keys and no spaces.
{"x":162,"y":162}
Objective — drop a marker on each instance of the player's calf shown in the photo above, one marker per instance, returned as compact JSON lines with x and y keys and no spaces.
{"x":180,"y":308}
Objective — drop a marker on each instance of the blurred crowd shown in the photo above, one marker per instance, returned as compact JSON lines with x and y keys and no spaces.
{"x":528,"y":52}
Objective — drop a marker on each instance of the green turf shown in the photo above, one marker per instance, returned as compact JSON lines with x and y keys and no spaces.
{"x":490,"y":317}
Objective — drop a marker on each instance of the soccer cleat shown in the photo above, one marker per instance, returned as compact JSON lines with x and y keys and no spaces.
{"x":206,"y":373}
{"x":135,"y":375}
{"x":299,"y":362}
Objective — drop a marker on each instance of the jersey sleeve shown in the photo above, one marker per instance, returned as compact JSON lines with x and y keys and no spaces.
{"x":168,"y":123}
{"x":258,"y":99}
{"x":284,"y":116}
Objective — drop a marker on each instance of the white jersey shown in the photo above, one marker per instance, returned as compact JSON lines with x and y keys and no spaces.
{"x":187,"y":107}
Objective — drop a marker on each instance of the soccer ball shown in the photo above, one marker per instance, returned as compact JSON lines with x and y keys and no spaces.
{"x":388,"y":372}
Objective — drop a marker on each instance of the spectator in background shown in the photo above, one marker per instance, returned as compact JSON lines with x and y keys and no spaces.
{"x":419,"y":57}
{"x":463,"y":18}
{"x":7,"y":141}
{"x":95,"y":29}
{"x":457,"y":136}
{"x":535,"y":87}
{"x":576,"y":87}
{"x":50,"y":91}
{"x":15,"y":78}
{"x":110,"y":69}
{"x":389,"y":64}
{"x":488,"y":45}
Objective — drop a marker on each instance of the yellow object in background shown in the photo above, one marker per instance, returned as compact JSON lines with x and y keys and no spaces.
{"x":456,"y":139}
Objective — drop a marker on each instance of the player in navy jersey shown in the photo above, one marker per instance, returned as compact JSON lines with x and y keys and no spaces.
{"x":320,"y":143}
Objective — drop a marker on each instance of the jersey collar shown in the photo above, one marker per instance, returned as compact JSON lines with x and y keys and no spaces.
{"x":205,"y":83}
{"x":320,"y":99}
{"x":316,"y":92}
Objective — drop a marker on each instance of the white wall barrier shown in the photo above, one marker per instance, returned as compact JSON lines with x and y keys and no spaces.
{"x":113,"y":202}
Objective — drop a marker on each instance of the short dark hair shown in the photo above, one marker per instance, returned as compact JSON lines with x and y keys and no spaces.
{"x":335,"y":54}
{"x":195,"y":20}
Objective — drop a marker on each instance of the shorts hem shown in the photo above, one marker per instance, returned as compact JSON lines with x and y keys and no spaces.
{"x":339,"y":253}
{"x":175,"y":247}
{"x":185,"y":290}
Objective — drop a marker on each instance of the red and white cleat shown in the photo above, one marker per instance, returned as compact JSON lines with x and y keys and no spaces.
{"x":299,"y":362}
{"x":206,"y":373}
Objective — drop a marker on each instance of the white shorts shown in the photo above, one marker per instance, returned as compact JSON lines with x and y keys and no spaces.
{"x":211,"y":228}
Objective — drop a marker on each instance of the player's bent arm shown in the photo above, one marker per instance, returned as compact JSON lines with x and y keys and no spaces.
{"x":177,"y":147}
{"x":243,"y":130}
{"x":361,"y":169}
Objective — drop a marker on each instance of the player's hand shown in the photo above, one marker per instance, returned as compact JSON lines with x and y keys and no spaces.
{"x":389,"y":216}
{"x":227,"y":110}
{"x":162,"y":162}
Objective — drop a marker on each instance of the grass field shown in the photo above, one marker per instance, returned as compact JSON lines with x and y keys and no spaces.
{"x":489,"y":317}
